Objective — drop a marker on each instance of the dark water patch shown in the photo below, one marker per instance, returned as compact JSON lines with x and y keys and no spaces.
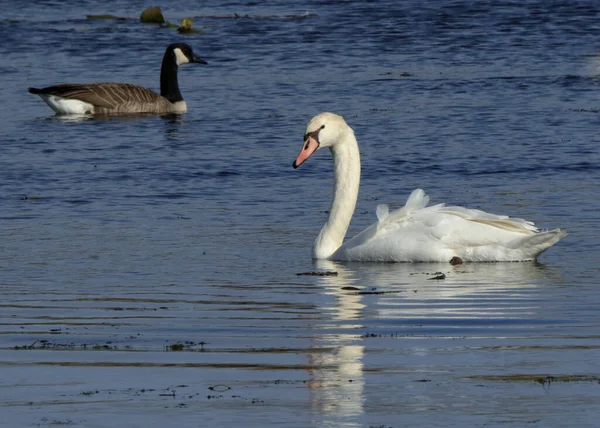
{"x":374,"y":292}
{"x":20,"y":217}
{"x":78,"y":201}
{"x":36,"y":198}
{"x":545,"y":347}
{"x":174,"y":217}
{"x":104,"y":17}
{"x":543,"y":379}
{"x":583,"y":110}
{"x":578,"y":167}
{"x":114,"y":364}
{"x":451,"y":325}
{"x":227,"y":173}
{"x":409,"y":168}
{"x":246,"y":16}
{"x":159,"y":196}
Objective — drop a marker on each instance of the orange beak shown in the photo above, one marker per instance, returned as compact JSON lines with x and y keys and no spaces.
{"x":310,"y":146}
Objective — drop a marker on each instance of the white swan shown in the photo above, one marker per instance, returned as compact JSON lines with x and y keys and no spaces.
{"x":415,"y":232}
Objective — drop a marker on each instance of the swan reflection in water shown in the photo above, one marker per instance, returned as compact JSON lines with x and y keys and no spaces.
{"x":336,"y":383}
{"x":378,"y":298}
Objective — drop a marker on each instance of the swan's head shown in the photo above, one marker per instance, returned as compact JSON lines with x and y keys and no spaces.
{"x":323,"y":130}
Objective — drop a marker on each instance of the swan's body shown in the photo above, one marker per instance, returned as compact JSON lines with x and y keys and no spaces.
{"x":415,"y":232}
{"x":123,"y":98}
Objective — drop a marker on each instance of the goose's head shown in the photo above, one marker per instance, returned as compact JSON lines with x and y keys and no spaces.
{"x":323,"y":130}
{"x":182,"y":53}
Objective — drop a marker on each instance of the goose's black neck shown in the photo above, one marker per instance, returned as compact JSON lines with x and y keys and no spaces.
{"x":169,"y":87}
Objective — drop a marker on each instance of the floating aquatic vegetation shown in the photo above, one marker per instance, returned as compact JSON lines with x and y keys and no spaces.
{"x":438,"y":276}
{"x":152,"y":15}
{"x":47,"y":344}
{"x":177,"y":347}
{"x":324,"y":273}
{"x":544,"y":380}
{"x":186,"y":27}
{"x":185,"y":346}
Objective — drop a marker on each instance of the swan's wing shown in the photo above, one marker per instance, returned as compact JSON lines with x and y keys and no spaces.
{"x":420,"y":232}
{"x":416,"y":210}
{"x":415,"y":204}
{"x":387,"y":221}
{"x":512,"y":224}
{"x":416,"y":201}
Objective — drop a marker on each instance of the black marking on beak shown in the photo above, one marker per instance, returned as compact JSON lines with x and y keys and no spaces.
{"x":314,"y":135}
{"x":310,"y":135}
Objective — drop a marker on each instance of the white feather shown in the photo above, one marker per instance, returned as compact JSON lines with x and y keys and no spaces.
{"x":67,"y":106}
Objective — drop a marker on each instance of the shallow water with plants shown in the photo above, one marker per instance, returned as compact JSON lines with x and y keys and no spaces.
{"x":158,"y":269}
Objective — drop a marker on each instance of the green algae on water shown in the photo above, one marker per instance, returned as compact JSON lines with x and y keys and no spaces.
{"x":152,"y":15}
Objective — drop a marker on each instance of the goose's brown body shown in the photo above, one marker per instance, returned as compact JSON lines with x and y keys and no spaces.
{"x":123,"y":98}
{"x":113,"y":98}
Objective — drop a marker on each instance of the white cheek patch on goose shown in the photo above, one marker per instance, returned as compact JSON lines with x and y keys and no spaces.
{"x":180,"y":57}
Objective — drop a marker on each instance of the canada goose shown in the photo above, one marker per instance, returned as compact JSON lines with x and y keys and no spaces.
{"x":119,"y":98}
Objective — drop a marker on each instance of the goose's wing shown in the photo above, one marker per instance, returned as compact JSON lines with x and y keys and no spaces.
{"x":106,"y":95}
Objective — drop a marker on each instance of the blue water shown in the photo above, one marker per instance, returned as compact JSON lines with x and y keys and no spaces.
{"x":120,"y":237}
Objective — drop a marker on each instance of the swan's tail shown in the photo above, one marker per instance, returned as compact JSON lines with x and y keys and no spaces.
{"x":534,"y":245}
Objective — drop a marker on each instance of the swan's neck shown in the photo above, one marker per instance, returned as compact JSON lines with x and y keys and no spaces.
{"x":346,"y":160}
{"x":169,"y":87}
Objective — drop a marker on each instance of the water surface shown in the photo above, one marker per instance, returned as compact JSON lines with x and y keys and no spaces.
{"x":148,"y":265}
